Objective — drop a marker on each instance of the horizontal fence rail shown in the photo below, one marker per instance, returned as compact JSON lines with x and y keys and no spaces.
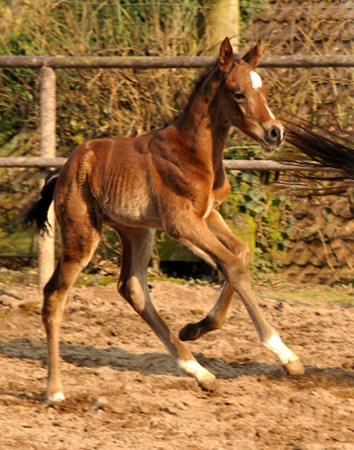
{"x":39,"y":163}
{"x":161,"y":62}
{"x":278,"y":166}
{"x":229,"y":164}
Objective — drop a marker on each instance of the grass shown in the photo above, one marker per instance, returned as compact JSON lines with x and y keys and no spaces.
{"x":30,"y":276}
{"x":26,"y":277}
{"x":20,"y":243}
{"x":296,"y":295}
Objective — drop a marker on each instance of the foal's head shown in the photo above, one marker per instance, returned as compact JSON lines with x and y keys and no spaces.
{"x":244,"y":97}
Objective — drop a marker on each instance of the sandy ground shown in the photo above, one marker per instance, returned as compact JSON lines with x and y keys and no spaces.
{"x":124,"y":391}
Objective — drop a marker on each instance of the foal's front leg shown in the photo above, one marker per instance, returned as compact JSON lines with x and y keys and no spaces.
{"x":192,"y":231}
{"x":213,"y":321}
{"x":137,"y":246}
{"x":216,"y":317}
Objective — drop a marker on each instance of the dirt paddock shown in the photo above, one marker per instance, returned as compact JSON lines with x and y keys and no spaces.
{"x":124,"y":391}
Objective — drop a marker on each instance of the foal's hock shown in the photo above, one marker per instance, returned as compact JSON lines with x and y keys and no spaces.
{"x":171,"y":178}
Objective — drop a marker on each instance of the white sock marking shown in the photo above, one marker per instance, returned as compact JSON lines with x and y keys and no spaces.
{"x":276,"y":345}
{"x":57,"y":397}
{"x":256,"y":80}
{"x":194,"y":369}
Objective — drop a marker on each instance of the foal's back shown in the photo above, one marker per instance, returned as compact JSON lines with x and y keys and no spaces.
{"x":113,"y":179}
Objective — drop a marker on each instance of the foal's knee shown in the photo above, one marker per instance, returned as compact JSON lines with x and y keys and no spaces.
{"x":242,"y":251}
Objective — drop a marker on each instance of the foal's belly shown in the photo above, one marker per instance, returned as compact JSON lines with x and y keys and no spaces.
{"x":134,"y":209}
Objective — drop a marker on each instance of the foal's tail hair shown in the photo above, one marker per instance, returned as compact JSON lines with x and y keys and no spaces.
{"x":38,"y":213}
{"x":335,"y":152}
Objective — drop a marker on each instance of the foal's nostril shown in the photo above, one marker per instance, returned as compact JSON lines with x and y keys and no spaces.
{"x":274,"y":134}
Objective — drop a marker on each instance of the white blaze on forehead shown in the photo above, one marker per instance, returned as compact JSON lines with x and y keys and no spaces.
{"x":256,"y":80}
{"x":256,"y":84}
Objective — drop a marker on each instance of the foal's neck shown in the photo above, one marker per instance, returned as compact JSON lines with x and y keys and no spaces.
{"x":203,"y":123}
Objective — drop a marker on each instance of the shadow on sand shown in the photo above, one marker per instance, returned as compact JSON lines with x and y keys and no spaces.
{"x":161,"y":364}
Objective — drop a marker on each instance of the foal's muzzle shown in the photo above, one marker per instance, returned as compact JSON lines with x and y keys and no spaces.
{"x":273,"y":138}
{"x":274,"y":135}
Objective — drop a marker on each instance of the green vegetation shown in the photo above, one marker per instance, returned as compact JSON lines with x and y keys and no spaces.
{"x":98,"y":103}
{"x":92,"y":103}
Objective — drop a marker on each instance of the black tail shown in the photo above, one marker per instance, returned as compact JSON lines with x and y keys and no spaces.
{"x":38,"y":213}
{"x":336,"y":152}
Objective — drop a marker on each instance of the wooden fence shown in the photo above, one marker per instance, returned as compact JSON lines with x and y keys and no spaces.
{"x":166,"y":62}
{"x":47,"y":64}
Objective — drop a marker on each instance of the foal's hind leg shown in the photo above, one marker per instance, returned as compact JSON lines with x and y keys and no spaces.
{"x":137,"y":246}
{"x":77,"y":250}
{"x":216,"y":317}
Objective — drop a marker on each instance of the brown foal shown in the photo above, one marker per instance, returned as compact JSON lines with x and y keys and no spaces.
{"x":172,"y":178}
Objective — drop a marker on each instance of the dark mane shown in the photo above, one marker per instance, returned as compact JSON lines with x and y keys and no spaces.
{"x":196,"y":85}
{"x":202,"y":77}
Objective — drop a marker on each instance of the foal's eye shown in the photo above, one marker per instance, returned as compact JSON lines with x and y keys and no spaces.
{"x":239,"y":96}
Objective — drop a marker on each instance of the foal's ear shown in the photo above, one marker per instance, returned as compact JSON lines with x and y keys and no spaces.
{"x":226,"y":56}
{"x":253,"y":56}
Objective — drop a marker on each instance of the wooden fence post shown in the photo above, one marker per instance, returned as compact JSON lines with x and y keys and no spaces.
{"x":223,"y":20}
{"x":46,"y":245}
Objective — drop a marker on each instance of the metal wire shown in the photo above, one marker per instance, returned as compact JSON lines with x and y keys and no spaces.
{"x":188,"y":5}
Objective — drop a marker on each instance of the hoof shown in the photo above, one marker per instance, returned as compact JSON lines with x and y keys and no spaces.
{"x":189,"y":333}
{"x":55,"y":398}
{"x":210,"y":384}
{"x":294,"y":368}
